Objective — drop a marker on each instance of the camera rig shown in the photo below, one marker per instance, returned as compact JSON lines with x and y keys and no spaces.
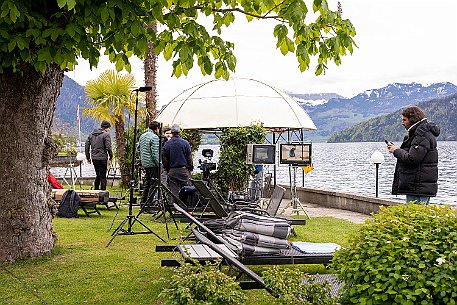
{"x":206,"y":165}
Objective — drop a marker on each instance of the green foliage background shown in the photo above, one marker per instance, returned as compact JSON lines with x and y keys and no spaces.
{"x":40,"y":32}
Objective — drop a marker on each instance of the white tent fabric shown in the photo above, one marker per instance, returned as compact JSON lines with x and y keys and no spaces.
{"x":234,"y":103}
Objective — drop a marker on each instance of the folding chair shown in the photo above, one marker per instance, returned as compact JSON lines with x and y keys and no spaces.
{"x":273,"y":206}
{"x":212,"y":199}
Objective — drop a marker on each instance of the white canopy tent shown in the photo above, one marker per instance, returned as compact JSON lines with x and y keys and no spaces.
{"x":234,"y":103}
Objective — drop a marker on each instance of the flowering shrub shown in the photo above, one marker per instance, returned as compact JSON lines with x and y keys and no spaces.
{"x":406,"y":255}
{"x":202,"y":284}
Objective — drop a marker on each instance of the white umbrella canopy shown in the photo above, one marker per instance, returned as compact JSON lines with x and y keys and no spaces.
{"x":234,"y":103}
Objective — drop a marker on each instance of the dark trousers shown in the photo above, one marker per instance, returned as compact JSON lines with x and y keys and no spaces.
{"x":100,"y":167}
{"x":177,"y":178}
{"x":151,"y":180}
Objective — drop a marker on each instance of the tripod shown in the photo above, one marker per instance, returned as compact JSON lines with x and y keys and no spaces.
{"x":295,"y":200}
{"x":156,"y":198}
{"x":131,"y":219}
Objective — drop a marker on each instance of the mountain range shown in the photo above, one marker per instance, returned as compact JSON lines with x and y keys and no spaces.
{"x":442,"y":111}
{"x":340,"y":113}
{"x":332,"y":113}
{"x":71,"y":95}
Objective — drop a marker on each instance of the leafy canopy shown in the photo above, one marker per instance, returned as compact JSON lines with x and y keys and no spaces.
{"x":41,"y":32}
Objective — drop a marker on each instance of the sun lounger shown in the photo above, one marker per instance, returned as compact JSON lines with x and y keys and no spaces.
{"x":285,"y":256}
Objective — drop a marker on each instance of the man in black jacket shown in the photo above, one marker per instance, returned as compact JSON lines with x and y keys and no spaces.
{"x":99,"y":145}
{"x":416,"y":172}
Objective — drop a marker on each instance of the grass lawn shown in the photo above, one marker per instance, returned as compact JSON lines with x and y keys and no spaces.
{"x":80,"y":270}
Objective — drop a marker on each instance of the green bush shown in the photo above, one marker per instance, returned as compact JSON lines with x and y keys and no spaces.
{"x":232,"y":170}
{"x":406,"y":255}
{"x":289,"y":286}
{"x":202,"y":284}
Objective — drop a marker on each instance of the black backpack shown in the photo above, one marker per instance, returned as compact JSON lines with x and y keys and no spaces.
{"x":69,"y":204}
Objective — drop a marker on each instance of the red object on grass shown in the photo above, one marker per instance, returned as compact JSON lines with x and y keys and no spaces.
{"x":55,"y":184}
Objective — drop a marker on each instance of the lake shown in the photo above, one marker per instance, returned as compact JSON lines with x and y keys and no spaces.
{"x":346,"y":167}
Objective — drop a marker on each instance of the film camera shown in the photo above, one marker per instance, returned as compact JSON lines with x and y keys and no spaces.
{"x":206,"y":165}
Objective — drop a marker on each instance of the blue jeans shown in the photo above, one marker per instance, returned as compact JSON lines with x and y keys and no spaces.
{"x":418,"y":199}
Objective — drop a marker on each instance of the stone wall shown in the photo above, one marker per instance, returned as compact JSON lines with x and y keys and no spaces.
{"x":338,"y":200}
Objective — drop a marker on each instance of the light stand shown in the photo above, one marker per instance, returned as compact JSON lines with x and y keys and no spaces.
{"x":295,"y":200}
{"x":131,"y":219}
{"x":377,"y":158}
{"x":156,"y":199}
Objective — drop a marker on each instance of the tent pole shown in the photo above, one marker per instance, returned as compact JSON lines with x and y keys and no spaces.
{"x":274,"y":167}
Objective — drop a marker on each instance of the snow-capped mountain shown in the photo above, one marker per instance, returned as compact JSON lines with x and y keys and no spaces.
{"x":340,"y":113}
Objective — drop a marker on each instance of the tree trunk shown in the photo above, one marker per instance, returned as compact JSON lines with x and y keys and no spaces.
{"x":150,"y":79}
{"x":27,"y":104}
{"x":121,"y":150}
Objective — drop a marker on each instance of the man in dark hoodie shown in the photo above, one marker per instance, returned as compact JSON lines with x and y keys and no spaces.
{"x":416,"y":172}
{"x":99,"y":145}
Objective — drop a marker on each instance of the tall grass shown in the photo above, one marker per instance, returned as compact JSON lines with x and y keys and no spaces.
{"x":80,"y":270}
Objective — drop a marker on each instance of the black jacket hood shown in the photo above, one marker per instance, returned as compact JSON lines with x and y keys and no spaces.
{"x":97,"y":132}
{"x":426,"y":126}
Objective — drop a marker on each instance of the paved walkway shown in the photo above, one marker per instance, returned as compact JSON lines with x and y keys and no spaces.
{"x":315,"y":210}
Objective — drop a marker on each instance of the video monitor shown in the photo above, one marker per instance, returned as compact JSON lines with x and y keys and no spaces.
{"x":296,"y":154}
{"x":260,"y":154}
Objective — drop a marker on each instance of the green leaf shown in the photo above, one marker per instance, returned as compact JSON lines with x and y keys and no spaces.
{"x":22,"y":43}
{"x":168,"y":51}
{"x":177,"y":71}
{"x":14,"y":13}
{"x":44,"y":55}
{"x":71,"y":4}
{"x":219,"y":70}
{"x":61,"y":3}
{"x":55,"y":33}
{"x":71,"y":30}
{"x":319,"y":69}
{"x":12,"y":44}
{"x":104,"y":14}
{"x":284,"y":47}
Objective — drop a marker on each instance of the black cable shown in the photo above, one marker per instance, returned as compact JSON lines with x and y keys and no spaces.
{"x":24,"y":284}
{"x":112,"y":222}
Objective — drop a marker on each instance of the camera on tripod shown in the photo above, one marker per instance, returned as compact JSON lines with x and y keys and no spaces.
{"x":206,"y":165}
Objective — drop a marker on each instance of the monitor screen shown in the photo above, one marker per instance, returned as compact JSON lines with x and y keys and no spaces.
{"x":261,"y":154}
{"x":295,"y":154}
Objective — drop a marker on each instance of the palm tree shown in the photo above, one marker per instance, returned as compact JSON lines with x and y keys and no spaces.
{"x":111,"y":97}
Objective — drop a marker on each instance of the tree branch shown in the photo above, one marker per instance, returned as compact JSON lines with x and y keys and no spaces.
{"x":225,"y":10}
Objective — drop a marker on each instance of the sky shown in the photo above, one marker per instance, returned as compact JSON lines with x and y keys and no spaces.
{"x":399,"y":41}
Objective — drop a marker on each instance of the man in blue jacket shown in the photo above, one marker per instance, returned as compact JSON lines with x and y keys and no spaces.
{"x":149,"y":156}
{"x":177,"y":160}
